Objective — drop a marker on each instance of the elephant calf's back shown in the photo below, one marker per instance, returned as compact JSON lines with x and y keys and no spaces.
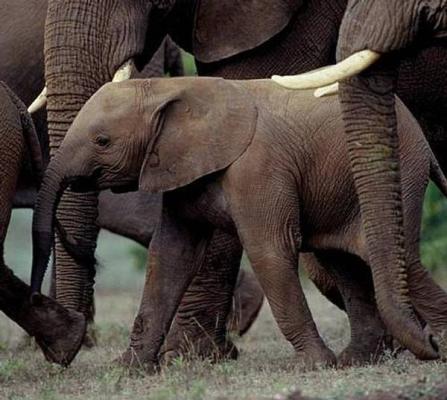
{"x":330,"y":207}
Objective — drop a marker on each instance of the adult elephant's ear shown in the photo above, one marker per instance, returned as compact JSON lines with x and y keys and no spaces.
{"x":202,"y":127}
{"x":224,"y":28}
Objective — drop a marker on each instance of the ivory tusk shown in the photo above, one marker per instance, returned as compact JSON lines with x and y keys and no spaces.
{"x":326,"y":76}
{"x":327,"y":90}
{"x":39,"y":102}
{"x":124,"y":72}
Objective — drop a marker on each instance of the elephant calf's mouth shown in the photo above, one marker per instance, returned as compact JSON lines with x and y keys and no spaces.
{"x":125,"y":187}
{"x":84,"y":184}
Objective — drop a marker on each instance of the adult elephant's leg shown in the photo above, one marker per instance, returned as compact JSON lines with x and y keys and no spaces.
{"x":75,"y":278}
{"x":428,"y":298}
{"x":354,"y":281}
{"x":247,"y":302}
{"x":200,"y":325}
{"x":73,"y":72}
{"x":322,"y":279}
{"x":58,"y":331}
{"x":176,"y":252}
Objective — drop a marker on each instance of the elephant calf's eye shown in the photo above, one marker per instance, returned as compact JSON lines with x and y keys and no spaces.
{"x":102,"y":140}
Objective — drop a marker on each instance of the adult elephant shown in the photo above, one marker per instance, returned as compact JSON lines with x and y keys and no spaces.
{"x":388,"y":47}
{"x":58,"y":331}
{"x":86,"y":46}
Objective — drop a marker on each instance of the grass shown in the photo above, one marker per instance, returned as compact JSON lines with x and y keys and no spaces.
{"x":266,"y":367}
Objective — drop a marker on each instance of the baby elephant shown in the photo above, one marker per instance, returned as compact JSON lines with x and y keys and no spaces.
{"x":262,"y":163}
{"x":58,"y":331}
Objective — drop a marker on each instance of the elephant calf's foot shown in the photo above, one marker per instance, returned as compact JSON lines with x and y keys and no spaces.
{"x":314,"y":357}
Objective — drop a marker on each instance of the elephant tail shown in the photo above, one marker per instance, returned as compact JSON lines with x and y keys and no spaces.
{"x":436,"y":174}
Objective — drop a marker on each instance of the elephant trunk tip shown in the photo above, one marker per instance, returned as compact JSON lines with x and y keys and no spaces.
{"x":405,"y":327}
{"x":433,"y":346}
{"x":426,"y":348}
{"x":35,"y":297}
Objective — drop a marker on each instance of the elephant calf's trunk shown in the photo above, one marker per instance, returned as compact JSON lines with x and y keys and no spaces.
{"x":43,"y":221}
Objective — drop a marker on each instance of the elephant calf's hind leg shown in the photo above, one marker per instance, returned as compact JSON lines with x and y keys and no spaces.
{"x":199,"y":328}
{"x":354,"y":281}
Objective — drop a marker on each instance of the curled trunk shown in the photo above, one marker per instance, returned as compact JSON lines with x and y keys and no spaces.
{"x":43,"y":222}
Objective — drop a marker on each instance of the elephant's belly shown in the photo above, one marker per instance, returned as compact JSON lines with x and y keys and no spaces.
{"x":349,"y":239}
{"x":203,"y":202}
{"x":330,"y":218}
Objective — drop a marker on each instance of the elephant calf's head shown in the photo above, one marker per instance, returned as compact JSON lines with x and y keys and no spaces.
{"x":104,"y":148}
{"x":156,"y":134}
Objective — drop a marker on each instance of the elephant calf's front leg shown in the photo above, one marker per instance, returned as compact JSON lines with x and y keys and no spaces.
{"x":175,"y":253}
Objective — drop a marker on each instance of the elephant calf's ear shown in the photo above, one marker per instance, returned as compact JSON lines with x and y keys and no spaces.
{"x":206,"y":128}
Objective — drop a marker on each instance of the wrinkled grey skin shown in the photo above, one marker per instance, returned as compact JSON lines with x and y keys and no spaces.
{"x":265,"y":177}
{"x":133,"y":215}
{"x":389,"y":27}
{"x":142,"y":25}
{"x":58,"y":331}
{"x":22,"y":68}
{"x":301,"y":38}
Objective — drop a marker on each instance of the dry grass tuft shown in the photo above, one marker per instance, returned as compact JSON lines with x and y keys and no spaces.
{"x":266,"y":367}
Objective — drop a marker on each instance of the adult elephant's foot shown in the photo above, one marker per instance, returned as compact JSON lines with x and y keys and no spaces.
{"x":364,"y":352}
{"x":195,"y":343}
{"x":134,"y":358}
{"x":369,"y":338}
{"x":316,"y":356}
{"x":59,"y":332}
{"x":90,"y":338}
{"x":199,"y":329}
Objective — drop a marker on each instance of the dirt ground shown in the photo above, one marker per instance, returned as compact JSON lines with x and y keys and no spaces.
{"x":266,"y":369}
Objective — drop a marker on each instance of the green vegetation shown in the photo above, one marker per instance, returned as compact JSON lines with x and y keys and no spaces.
{"x":189,"y":64}
{"x":434,"y":230}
